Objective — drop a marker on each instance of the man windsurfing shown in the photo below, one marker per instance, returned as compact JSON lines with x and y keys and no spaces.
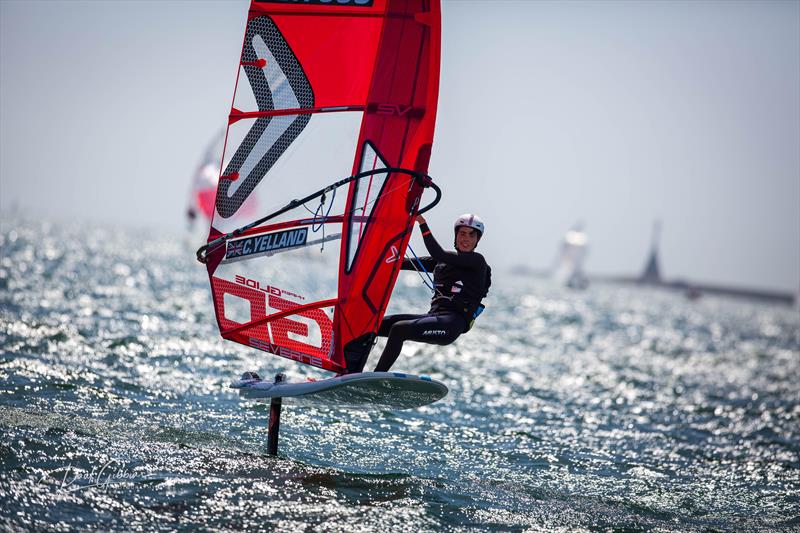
{"x":461,"y":279}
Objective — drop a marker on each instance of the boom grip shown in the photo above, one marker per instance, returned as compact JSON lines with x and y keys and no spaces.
{"x":435,"y":201}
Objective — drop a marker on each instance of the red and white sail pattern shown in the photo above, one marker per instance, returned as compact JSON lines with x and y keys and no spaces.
{"x":203,"y":190}
{"x":325,"y":90}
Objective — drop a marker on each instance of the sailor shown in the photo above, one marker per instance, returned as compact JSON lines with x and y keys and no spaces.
{"x":461,"y":280}
{"x":191,"y":215}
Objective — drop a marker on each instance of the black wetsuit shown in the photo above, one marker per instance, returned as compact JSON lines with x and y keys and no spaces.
{"x":461,"y":280}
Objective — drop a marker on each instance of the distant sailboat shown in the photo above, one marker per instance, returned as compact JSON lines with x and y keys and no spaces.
{"x":572,"y":253}
{"x":203,"y":190}
{"x":652,"y":271}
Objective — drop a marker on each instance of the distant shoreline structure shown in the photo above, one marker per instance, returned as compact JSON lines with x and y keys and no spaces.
{"x":650,"y":276}
{"x":698,"y":289}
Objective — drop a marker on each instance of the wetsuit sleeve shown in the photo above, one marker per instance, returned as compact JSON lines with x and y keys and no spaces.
{"x":471,"y":260}
{"x":428,"y":263}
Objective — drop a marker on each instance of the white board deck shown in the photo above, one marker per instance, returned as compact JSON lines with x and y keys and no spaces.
{"x":365,"y":390}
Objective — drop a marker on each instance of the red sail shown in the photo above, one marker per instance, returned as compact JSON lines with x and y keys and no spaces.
{"x":204,"y":182}
{"x":325,"y":90}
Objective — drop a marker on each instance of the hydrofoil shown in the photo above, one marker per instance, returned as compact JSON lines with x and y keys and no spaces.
{"x":363,"y":390}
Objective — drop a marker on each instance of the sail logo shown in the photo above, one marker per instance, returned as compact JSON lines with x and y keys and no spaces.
{"x":270,"y":242}
{"x":393,"y":255}
{"x":393,"y":109}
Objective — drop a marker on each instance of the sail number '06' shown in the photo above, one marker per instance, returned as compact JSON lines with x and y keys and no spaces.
{"x":281,"y":336}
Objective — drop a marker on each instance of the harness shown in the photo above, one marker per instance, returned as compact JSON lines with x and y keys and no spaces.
{"x":454,"y":302}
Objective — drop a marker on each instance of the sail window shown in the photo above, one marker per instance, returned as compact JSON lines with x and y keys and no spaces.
{"x":366,"y":193}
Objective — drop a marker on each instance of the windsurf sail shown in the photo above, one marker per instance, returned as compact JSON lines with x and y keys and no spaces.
{"x":568,"y":269}
{"x":330,"y":130}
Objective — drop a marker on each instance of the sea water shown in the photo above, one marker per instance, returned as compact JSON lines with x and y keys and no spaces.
{"x":611,"y":408}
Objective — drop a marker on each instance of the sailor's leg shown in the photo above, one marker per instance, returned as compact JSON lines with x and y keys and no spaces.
{"x":391,"y":320}
{"x":356,"y":363}
{"x":431,"y":329}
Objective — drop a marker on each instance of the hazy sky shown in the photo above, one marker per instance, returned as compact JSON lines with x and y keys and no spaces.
{"x":614,"y":113}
